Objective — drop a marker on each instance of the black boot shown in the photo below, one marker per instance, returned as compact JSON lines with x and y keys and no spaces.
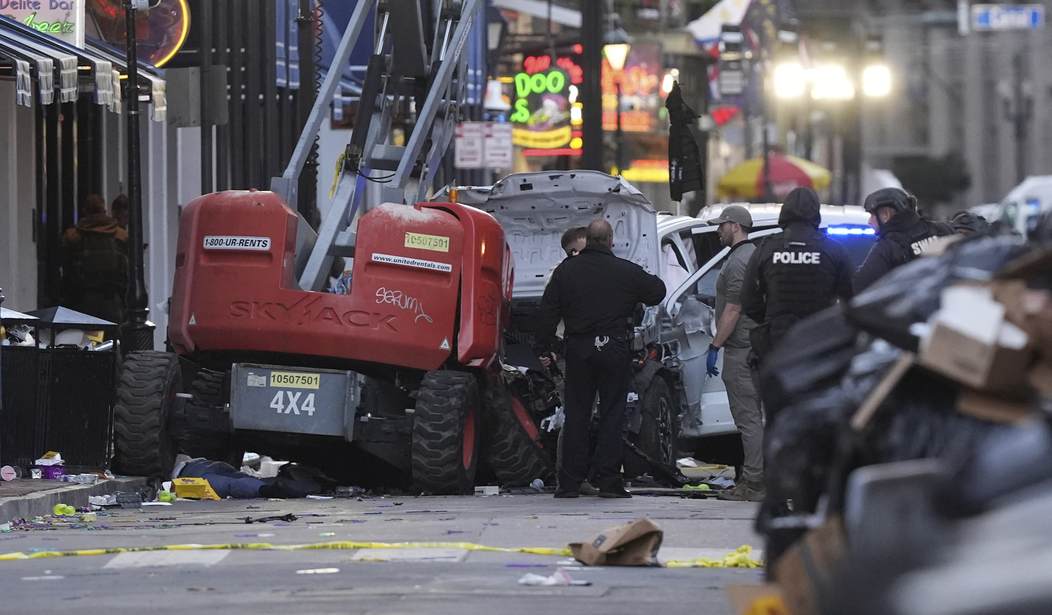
{"x":613,"y":488}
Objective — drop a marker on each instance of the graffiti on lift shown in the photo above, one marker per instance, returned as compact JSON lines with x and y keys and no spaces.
{"x":403,"y":302}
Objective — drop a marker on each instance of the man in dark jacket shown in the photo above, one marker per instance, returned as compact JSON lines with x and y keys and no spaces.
{"x":902,"y":234}
{"x":95,"y":265}
{"x":793,"y":274}
{"x":595,"y":294}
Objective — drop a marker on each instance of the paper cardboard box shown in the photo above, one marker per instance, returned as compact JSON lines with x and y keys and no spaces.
{"x":1030,"y":309}
{"x":633,"y":544}
{"x":981,"y":365}
{"x":994,"y":408}
{"x":970,"y":340}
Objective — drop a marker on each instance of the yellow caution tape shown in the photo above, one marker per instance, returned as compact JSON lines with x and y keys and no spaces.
{"x":266,"y":546}
{"x":737,"y":559}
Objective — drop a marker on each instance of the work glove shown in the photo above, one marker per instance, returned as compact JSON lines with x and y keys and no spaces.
{"x":710,"y":361}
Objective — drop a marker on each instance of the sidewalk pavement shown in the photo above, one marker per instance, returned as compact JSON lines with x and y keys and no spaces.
{"x":28,"y":498}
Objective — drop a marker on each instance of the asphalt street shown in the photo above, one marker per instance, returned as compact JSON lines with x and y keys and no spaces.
{"x":449,"y":578}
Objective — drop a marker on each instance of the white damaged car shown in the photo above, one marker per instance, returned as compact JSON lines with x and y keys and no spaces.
{"x":671,"y":395}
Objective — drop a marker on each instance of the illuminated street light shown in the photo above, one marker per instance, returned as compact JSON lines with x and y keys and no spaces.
{"x":831,"y":82}
{"x":616,"y":54}
{"x":876,"y":81}
{"x":790,"y":80}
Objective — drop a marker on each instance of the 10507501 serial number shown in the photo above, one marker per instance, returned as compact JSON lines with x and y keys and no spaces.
{"x":295,"y":380}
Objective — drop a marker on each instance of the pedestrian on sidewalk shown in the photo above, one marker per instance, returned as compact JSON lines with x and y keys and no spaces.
{"x":95,"y":263}
{"x":595,"y":293}
{"x":732,"y":336}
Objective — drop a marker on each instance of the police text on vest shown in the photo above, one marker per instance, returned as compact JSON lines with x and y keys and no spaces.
{"x":797,"y":258}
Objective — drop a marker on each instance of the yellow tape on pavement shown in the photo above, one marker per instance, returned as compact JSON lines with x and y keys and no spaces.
{"x":266,"y":546}
{"x":736,"y":559}
{"x":739,"y":558}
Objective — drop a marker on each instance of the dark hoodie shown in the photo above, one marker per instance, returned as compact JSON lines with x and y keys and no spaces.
{"x":901,"y":239}
{"x":795,"y":273}
{"x":95,"y":267}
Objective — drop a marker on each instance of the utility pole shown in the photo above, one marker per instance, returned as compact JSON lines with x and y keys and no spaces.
{"x":591,"y":88}
{"x":137,"y":333}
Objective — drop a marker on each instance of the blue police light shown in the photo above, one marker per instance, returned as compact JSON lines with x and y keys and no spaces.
{"x":853,"y":230}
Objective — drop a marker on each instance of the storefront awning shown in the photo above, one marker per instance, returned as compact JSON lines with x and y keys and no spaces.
{"x":68,"y":76}
{"x":21,"y":45}
{"x":45,"y":73}
{"x":148,"y":75}
{"x":101,"y":69}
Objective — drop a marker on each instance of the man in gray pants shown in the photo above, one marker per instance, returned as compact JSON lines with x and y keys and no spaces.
{"x":732,"y":334}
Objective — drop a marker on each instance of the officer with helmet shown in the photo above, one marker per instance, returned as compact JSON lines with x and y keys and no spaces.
{"x":902,"y":234}
{"x":793,"y":274}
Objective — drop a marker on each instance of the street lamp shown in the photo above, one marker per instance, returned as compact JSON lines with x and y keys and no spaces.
{"x":496,"y":28}
{"x":617,"y":45}
{"x":876,"y":81}
{"x":831,"y":82}
{"x":790,"y":80}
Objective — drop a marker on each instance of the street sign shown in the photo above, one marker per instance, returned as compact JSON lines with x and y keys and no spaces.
{"x":469,"y":146}
{"x":498,"y":146}
{"x":999,"y":17}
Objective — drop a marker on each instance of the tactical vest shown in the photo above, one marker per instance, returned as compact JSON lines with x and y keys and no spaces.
{"x":914,"y":241}
{"x":800,"y":278}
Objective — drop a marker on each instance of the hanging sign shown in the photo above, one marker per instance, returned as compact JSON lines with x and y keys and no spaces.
{"x":62,"y":19}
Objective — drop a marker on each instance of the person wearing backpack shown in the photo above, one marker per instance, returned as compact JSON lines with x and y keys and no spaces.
{"x":95,"y":263}
{"x":903,"y":234}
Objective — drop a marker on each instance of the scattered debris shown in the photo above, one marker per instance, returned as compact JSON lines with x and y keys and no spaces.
{"x":558,"y":578}
{"x":109,"y":499}
{"x":289,"y":518}
{"x":129,"y":499}
{"x":194,"y":489}
{"x":487,"y":490}
{"x":62,"y":510}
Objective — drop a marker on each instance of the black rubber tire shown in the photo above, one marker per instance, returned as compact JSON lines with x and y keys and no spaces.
{"x":657,"y":429}
{"x":508,"y":450}
{"x":445,"y":422}
{"x":146,"y":393}
{"x":204,"y":428}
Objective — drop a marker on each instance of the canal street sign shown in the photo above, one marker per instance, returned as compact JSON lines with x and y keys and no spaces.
{"x":1000,"y":17}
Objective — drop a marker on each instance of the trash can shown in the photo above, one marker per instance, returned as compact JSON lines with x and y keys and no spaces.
{"x":58,"y":394}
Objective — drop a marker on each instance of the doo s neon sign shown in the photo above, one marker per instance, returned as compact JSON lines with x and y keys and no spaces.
{"x":552,"y":82}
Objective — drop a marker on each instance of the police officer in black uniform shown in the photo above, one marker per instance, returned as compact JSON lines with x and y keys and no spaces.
{"x":903,"y":234}
{"x":793,"y":274}
{"x":595,"y":294}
